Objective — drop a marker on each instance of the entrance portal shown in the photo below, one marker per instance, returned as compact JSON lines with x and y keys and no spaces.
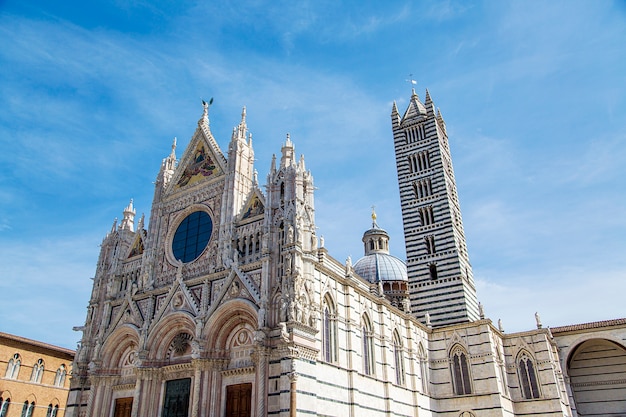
{"x":123,"y":406}
{"x":239,"y":400}
{"x":177,"y":398}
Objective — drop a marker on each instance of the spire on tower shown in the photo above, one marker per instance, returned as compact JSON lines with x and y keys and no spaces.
{"x":128,"y":221}
{"x":428,"y":103}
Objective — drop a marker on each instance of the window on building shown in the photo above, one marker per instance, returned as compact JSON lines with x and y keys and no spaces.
{"x":4,"y":406}
{"x":27,"y":409}
{"x":460,"y":372}
{"x":527,"y":376}
{"x":329,"y":335}
{"x":37,"y":371}
{"x":368,"y":346}
{"x":59,"y":378}
{"x":427,"y":216}
{"x":430,"y":244}
{"x":423,"y":359}
{"x":13,"y":367}
{"x":398,"y":354}
{"x":432,"y":268}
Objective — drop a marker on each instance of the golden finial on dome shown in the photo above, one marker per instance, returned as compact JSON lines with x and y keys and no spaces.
{"x":374,"y":215}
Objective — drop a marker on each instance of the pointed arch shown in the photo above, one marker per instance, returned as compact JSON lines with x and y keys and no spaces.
{"x":5,"y":401}
{"x":527,"y":375}
{"x":37,"y":373}
{"x":460,"y":370}
{"x":329,"y":328}
{"x":13,"y":366}
{"x":398,"y":354}
{"x":59,"y":377}
{"x":367,"y":345}
{"x":423,"y":360}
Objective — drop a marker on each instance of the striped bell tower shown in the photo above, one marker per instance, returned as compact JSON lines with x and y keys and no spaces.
{"x":441,"y":285}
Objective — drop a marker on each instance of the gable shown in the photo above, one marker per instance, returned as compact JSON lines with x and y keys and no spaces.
{"x":253,"y":208}
{"x":202,"y":165}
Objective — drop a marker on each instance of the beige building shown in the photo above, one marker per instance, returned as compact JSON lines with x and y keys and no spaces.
{"x":229,"y":304}
{"x":34,"y":377}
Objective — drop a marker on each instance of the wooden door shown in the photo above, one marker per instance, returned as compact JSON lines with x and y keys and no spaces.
{"x":123,"y":406}
{"x":239,"y":400}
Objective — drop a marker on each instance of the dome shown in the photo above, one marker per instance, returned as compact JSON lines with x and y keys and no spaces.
{"x":377,"y":264}
{"x":377,"y":267}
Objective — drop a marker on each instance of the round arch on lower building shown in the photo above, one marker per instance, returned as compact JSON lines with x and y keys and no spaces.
{"x":171,"y":336}
{"x":227,"y":320}
{"x":120,"y":346}
{"x":597,"y":377}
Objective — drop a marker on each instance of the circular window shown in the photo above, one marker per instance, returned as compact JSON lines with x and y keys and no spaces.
{"x":192,"y":236}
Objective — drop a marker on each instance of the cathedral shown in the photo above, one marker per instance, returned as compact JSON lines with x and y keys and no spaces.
{"x":226,"y":303}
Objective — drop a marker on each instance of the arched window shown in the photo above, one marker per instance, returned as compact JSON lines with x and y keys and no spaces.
{"x":13,"y":367}
{"x":329,"y":333}
{"x":59,"y":378}
{"x":27,"y":409}
{"x":368,"y":346}
{"x":52,"y":410}
{"x":398,"y":358}
{"x":461,"y":380}
{"x":423,"y":367}
{"x":37,"y":373}
{"x":527,"y":376}
{"x":4,"y":406}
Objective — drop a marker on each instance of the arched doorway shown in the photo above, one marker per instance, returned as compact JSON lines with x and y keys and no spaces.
{"x":597,"y":371}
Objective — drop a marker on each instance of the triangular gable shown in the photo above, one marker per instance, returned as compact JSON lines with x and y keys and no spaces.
{"x":125,"y":313}
{"x":236,"y":285}
{"x":137,"y":247}
{"x":254,"y":207}
{"x":178,"y":298}
{"x":200,"y":166}
{"x":202,"y":159}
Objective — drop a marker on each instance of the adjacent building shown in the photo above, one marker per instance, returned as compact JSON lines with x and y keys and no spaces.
{"x":34,"y":377}
{"x":227,"y":303}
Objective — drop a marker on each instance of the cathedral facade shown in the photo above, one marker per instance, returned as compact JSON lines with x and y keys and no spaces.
{"x":227,"y":303}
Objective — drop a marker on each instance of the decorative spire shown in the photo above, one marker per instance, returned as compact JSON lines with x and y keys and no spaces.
{"x":428,"y":103}
{"x":239,"y":132}
{"x":142,"y":220}
{"x":301,"y":166}
{"x":128,"y":221}
{"x":394,"y":108}
{"x":288,"y":158}
{"x":273,"y":164}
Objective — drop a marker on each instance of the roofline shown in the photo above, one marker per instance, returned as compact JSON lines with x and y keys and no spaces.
{"x":587,"y":326}
{"x":37,"y":343}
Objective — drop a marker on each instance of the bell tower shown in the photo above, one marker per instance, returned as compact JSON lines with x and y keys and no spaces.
{"x":441,"y":285}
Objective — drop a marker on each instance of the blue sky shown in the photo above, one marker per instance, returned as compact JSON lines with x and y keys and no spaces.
{"x":533,"y":94}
